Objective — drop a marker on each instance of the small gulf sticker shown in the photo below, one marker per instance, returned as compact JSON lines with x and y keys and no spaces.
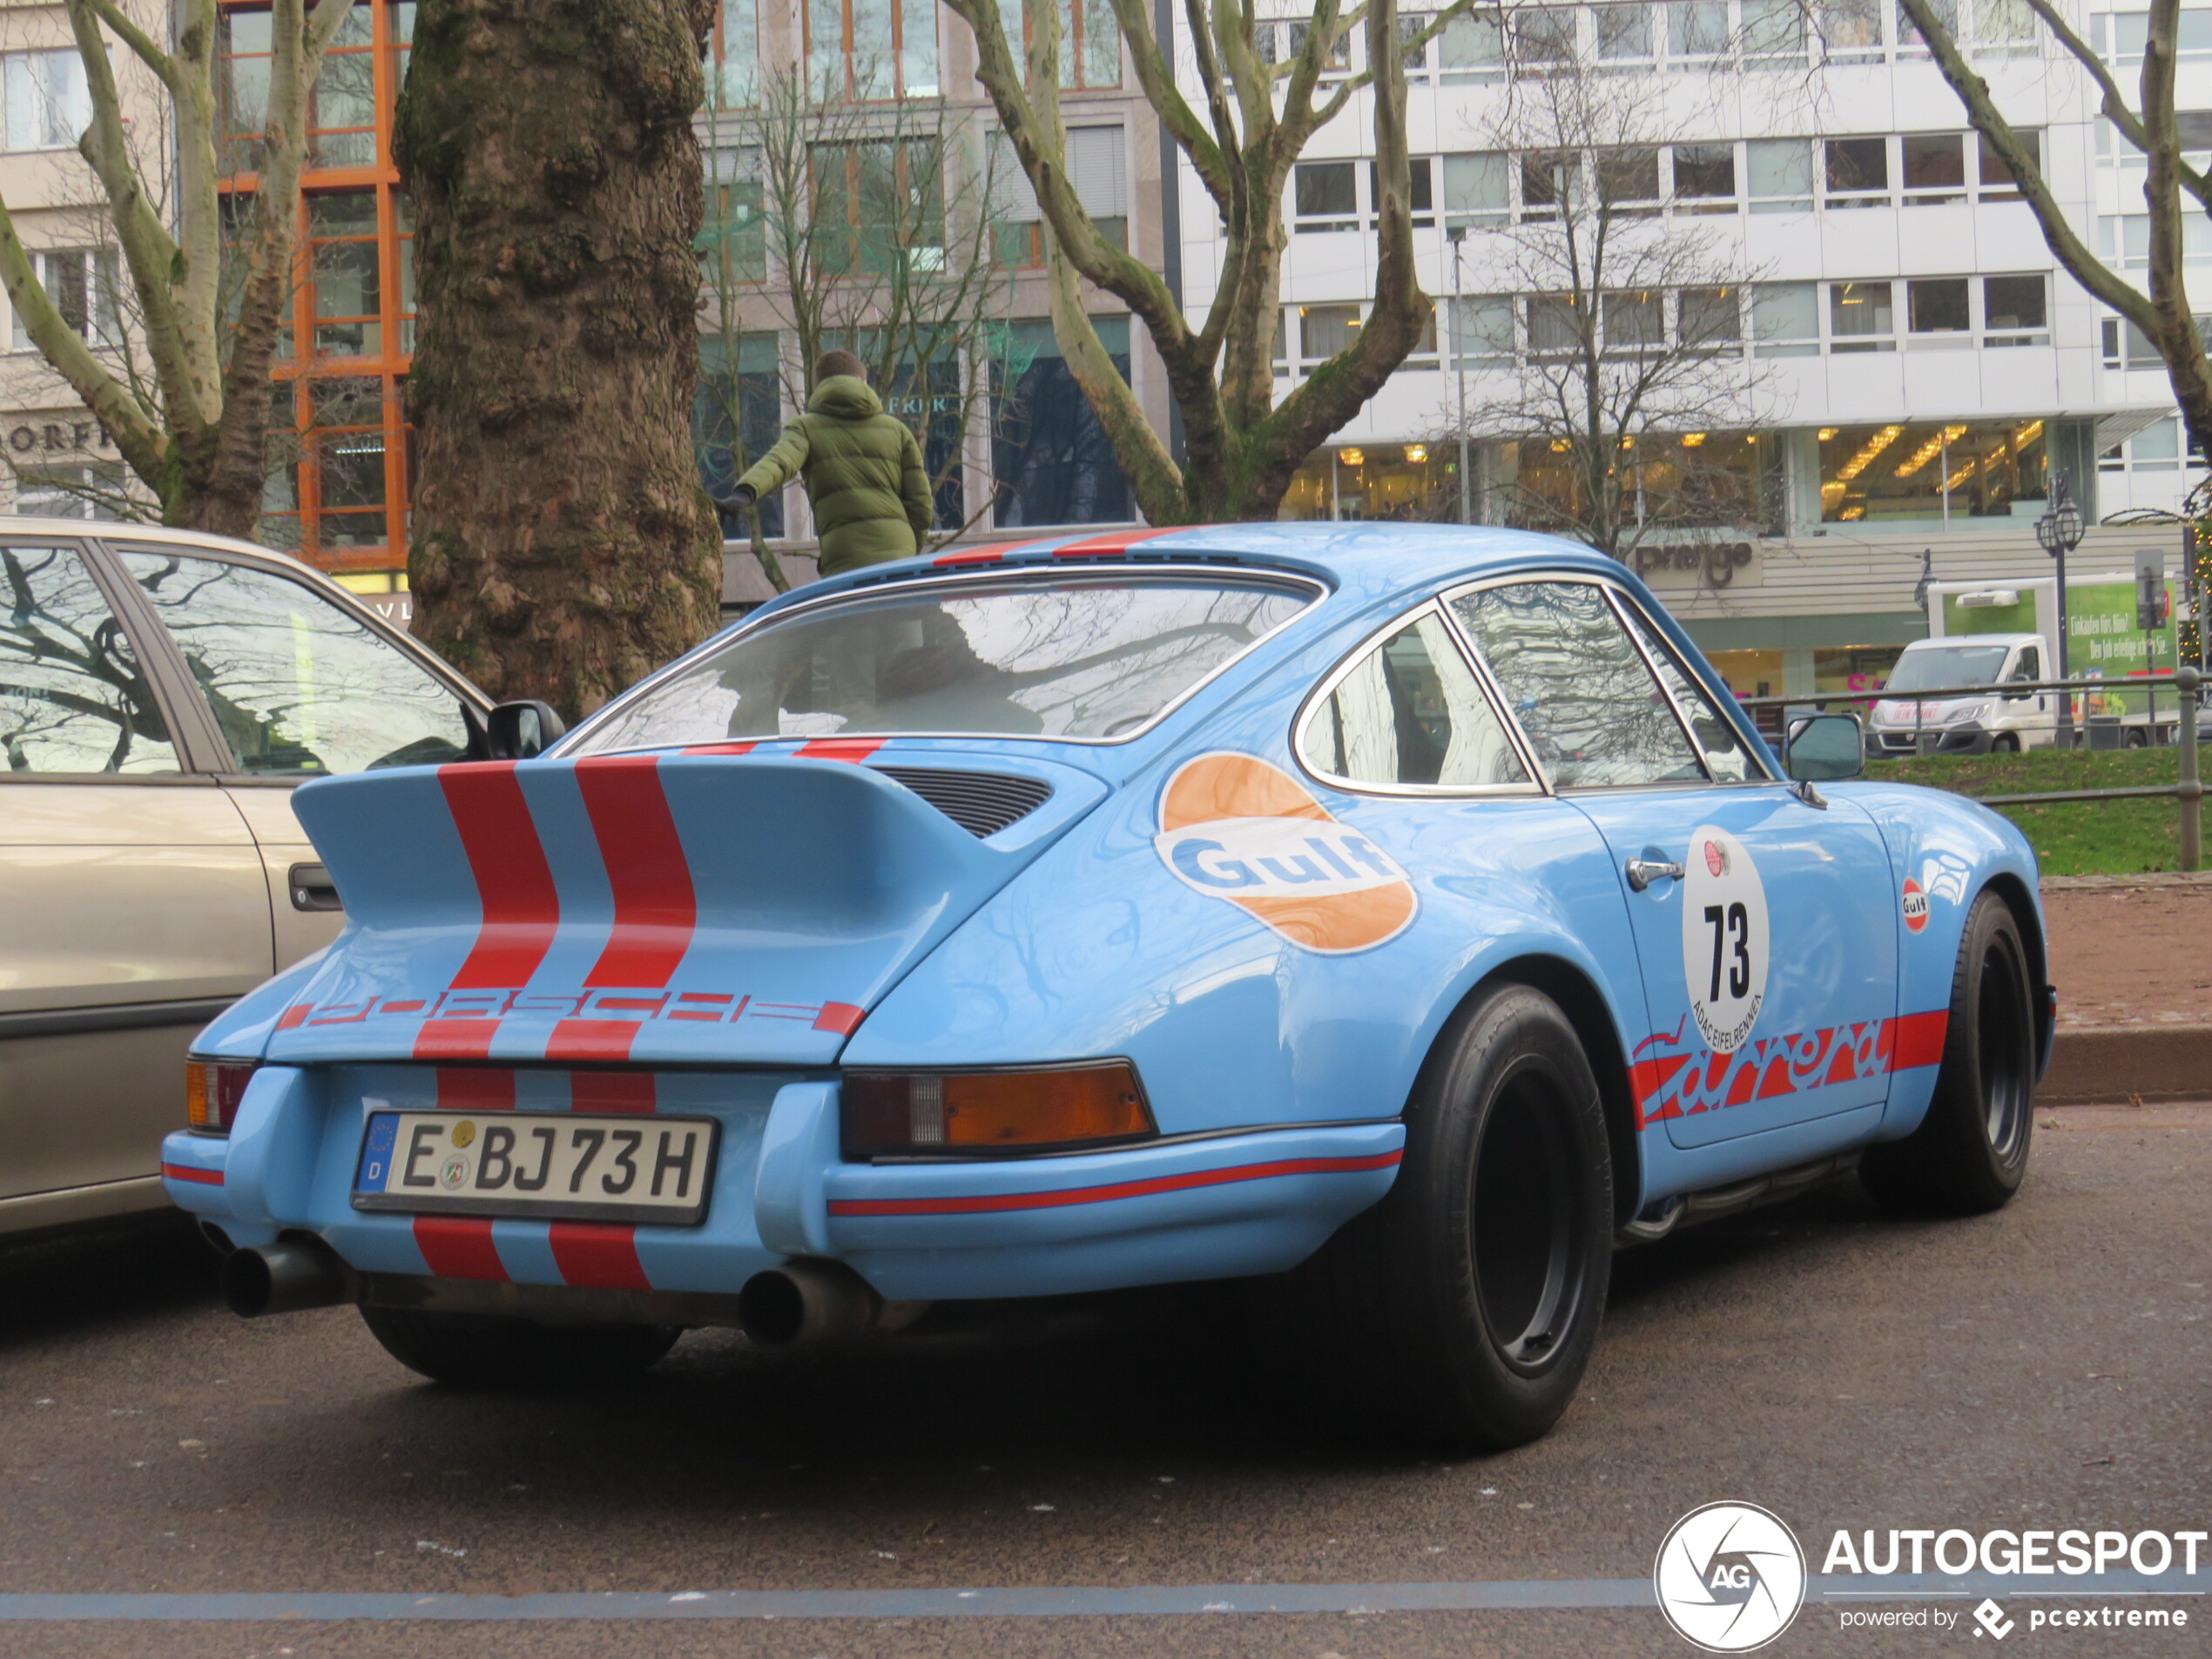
{"x":1233,"y":826}
{"x":1916,"y":906}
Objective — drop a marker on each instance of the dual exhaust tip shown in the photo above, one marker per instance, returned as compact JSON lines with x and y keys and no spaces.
{"x":799,"y":1303}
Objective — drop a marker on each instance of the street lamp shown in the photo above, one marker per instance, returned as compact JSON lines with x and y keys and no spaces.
{"x":2059,"y":532}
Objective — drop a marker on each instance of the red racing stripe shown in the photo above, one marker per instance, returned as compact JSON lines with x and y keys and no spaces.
{"x":840,"y":1017}
{"x":611,"y":1091}
{"x":1112,"y":542}
{"x":718,"y":749}
{"x":522,"y":908}
{"x":593,"y":1253}
{"x":476,"y":1089}
{"x":985,"y":1203}
{"x":592,"y":1039}
{"x":454,"y":1039}
{"x":295,"y":1016}
{"x":655,"y":908}
{"x":1918,"y":1041}
{"x":458,"y":1247}
{"x":185,"y":1172}
{"x":852,"y":749}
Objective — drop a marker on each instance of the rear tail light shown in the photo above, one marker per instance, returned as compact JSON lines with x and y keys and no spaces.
{"x":212,"y":1090}
{"x":974,"y":1112}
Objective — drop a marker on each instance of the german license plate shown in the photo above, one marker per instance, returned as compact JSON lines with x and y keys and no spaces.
{"x":556,"y":1166}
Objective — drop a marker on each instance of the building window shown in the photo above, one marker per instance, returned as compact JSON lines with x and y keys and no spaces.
{"x":2157,"y":448}
{"x":1625,"y":37}
{"x":1858,"y":173}
{"x":1471,"y":50}
{"x":1931,"y":470}
{"x":1710,"y":319}
{"x":345,"y":269}
{"x":733,"y":244}
{"x":1935,"y":169}
{"x":2015,"y":311}
{"x":1936,"y":313}
{"x":1415,"y":483}
{"x":1705,"y":177}
{"x":1482,"y":335}
{"x":735,"y":418}
{"x":2140,"y":354}
{"x":1774,"y":31}
{"x":1779,"y":174}
{"x":1477,"y":190}
{"x":70,"y":492}
{"x":1050,"y":456}
{"x":879,"y":207}
{"x":1325,"y":330}
{"x":341,"y":112}
{"x":1097,"y":168}
{"x":49,"y":106}
{"x":1696,"y":32}
{"x":1635,"y":321}
{"x":872,"y":51}
{"x":81,"y":281}
{"x":1627,"y":181}
{"x":1556,"y":326}
{"x":1860,"y":317}
{"x":1544,"y":38}
{"x":733,"y":57}
{"x":1785,"y":319}
{"x":1326,"y":196}
{"x":1994,"y":178}
{"x":1851,"y":30}
{"x":1420,"y":191}
{"x":1090,"y":41}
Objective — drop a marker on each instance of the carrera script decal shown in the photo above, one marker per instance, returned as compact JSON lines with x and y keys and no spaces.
{"x":1671,"y":1081}
{"x":1724,"y":955}
{"x":1234,"y":827}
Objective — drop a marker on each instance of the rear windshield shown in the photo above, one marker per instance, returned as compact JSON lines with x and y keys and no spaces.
{"x":1047,"y":657}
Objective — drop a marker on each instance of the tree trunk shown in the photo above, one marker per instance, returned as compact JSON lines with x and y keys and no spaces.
{"x":561,"y":547}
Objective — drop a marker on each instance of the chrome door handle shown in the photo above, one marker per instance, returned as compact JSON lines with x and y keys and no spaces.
{"x":1643,"y":872}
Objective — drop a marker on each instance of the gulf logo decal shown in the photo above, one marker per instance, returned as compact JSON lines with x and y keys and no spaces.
{"x":1916,"y":906}
{"x":1233,"y":826}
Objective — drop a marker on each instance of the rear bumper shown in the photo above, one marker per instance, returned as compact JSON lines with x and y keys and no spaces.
{"x":1219,"y":1207}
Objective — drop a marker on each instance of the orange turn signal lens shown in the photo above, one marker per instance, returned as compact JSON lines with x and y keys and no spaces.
{"x":212,"y":1090}
{"x":980,"y":1112}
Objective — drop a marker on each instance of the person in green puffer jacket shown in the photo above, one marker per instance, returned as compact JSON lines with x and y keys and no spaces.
{"x":862,"y":469}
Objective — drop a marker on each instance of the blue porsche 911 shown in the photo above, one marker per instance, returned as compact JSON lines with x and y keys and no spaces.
{"x":1408,"y":909}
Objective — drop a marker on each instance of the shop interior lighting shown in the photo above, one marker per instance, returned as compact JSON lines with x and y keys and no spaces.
{"x":1865,"y":458}
{"x":1928,"y":451}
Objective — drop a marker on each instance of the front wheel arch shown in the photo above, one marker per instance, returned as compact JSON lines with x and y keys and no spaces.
{"x":1591,"y":1015}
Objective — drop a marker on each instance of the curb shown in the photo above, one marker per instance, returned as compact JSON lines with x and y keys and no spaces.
{"x":2120,"y":883}
{"x":2113,"y":1065}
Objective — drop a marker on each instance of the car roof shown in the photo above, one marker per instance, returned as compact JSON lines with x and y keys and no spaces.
{"x":1361,"y":561}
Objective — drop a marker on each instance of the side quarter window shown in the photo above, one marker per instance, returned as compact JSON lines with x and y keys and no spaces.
{"x":1411,"y":711}
{"x":300,"y":688}
{"x":1723,"y":751}
{"x":72,"y":696}
{"x":1577,"y":685}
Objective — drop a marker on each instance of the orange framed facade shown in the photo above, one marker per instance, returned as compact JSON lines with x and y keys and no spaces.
{"x":338,"y":496}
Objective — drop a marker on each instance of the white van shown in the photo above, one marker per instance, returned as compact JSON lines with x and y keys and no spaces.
{"x":1977,"y":724}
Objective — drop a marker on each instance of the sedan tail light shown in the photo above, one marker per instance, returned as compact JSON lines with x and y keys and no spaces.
{"x":212,"y":1090}
{"x":981,"y":1112}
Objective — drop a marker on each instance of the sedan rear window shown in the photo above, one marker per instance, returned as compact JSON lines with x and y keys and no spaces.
{"x":1051,"y":658}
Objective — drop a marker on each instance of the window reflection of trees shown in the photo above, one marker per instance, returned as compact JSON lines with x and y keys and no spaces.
{"x":296,"y":685}
{"x":1054,"y":659}
{"x":1575,"y":683}
{"x":72,"y":696}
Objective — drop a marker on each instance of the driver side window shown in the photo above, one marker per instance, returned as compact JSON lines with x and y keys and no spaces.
{"x":300,"y":688}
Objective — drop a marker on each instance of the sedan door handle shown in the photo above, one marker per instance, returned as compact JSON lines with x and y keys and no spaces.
{"x":1643,"y":872}
{"x":312,"y":888}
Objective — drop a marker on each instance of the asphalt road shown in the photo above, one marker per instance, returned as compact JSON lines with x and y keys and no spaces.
{"x":2042,"y":1368}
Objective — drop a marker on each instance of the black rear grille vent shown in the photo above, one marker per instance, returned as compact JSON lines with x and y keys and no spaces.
{"x":982,"y":803}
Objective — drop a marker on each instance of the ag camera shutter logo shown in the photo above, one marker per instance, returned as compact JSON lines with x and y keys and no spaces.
{"x":1730,"y":1577}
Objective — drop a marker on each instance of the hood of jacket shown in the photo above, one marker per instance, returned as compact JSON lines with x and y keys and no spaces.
{"x":845,"y":397}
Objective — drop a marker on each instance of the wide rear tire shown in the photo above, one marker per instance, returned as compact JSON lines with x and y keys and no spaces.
{"x":487,"y":1351}
{"x":1468,"y":1300}
{"x":1970,"y":1152}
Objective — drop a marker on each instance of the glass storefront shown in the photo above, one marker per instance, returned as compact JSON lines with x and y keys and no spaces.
{"x":1409,"y":482}
{"x":1931,"y":469}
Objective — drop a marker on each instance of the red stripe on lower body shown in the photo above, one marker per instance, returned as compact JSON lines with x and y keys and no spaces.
{"x":185,"y":1172}
{"x":476,"y":1089}
{"x":1918,"y":1039}
{"x":592,"y":1039}
{"x":655,"y":908}
{"x":458,"y":1247}
{"x":454,"y":1039}
{"x":985,"y":1203}
{"x":593,"y":1253}
{"x":522,"y":908}
{"x":611,"y":1091}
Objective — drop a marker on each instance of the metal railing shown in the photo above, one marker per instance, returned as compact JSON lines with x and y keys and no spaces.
{"x":2187,"y":789}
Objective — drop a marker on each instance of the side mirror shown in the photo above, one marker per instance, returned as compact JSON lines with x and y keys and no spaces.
{"x":1823,"y":747}
{"x":512,"y":731}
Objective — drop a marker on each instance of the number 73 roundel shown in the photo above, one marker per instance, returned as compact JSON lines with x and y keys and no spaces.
{"x":1723,"y":938}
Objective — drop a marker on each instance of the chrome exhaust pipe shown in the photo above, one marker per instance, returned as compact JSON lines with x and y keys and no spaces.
{"x":811,"y":1301}
{"x":287,"y":1276}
